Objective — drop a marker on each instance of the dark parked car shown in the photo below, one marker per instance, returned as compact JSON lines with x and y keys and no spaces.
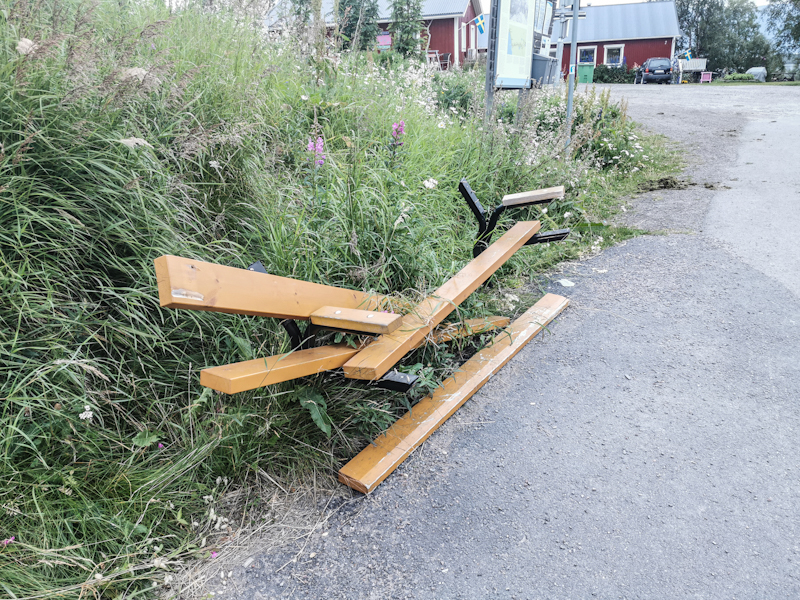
{"x":657,"y":70}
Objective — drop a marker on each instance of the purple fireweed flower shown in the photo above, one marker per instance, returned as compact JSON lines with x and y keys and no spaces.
{"x":160,"y":446}
{"x":398,"y":129}
{"x":318,"y":148}
{"x":8,"y":541}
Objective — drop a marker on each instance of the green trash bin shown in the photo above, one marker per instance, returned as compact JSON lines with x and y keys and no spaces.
{"x":585,"y":73}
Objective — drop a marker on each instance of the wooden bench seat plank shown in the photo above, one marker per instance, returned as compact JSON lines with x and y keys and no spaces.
{"x":382,"y":354}
{"x":534,"y":196}
{"x":454,"y":331}
{"x":373,"y":464}
{"x":253,"y":374}
{"x":353,"y":319}
{"x":198,"y":285}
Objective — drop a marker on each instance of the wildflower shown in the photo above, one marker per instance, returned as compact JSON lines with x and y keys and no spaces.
{"x":441,"y":125}
{"x":398,"y":129}
{"x":160,"y":446}
{"x":214,"y":555}
{"x":8,"y":541}
{"x":214,"y":164}
{"x":544,"y":211}
{"x":87,"y":414}
{"x":567,"y":215}
{"x":318,"y":149}
{"x":430,"y":183}
{"x":304,"y":97}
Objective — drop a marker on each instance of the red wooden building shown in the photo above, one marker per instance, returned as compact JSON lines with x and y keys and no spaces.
{"x":448,"y":24}
{"x":624,"y":34}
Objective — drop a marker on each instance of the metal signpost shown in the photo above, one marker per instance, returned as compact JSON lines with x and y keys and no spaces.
{"x":563,"y":16}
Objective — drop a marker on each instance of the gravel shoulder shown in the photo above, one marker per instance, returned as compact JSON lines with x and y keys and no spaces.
{"x":646,"y":446}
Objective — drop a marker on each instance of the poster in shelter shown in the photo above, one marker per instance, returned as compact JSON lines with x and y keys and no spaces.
{"x":515,"y":43}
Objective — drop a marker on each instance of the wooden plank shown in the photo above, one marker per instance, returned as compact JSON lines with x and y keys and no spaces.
{"x":454,"y":331}
{"x":253,"y":374}
{"x":197,"y":285}
{"x":534,"y":196}
{"x":382,"y":354}
{"x":373,"y":464}
{"x":353,"y":319}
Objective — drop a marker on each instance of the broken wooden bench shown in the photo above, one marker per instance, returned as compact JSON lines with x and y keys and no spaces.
{"x":386,"y":337}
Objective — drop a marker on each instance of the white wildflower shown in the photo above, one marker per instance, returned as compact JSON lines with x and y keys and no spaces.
{"x":303,"y":97}
{"x":567,"y":215}
{"x":430,"y":183}
{"x":25,"y":46}
{"x":442,"y":125}
{"x":87,"y":413}
{"x":544,"y":211}
{"x":214,"y":164}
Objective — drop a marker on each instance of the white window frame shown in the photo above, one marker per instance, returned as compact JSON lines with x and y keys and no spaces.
{"x":463,"y":44}
{"x":578,"y":58}
{"x":621,"y":48}
{"x":456,"y":40}
{"x":473,"y":38}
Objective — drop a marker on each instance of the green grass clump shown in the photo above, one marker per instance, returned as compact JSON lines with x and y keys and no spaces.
{"x":128,"y":132}
{"x":739,"y":77}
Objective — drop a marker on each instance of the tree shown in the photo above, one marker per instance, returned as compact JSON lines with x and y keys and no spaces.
{"x":701,"y":22}
{"x":726,"y":33}
{"x":359,"y":23}
{"x":741,"y":44}
{"x":784,"y":16}
{"x":406,"y":26}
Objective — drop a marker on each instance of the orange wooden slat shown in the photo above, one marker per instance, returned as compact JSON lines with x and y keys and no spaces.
{"x":454,"y":331}
{"x":353,"y":319}
{"x":382,"y":354}
{"x":198,"y":285}
{"x":533,"y":196}
{"x":253,"y":374}
{"x":373,"y":464}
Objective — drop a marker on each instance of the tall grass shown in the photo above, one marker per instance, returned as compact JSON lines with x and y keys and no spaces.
{"x":128,"y":132}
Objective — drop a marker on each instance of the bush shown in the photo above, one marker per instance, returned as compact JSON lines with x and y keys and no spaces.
{"x":739,"y":77}
{"x":606,"y":74}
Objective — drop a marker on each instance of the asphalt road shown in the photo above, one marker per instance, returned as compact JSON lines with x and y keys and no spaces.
{"x":648,"y":445}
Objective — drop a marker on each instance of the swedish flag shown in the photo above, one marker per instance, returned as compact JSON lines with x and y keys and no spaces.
{"x":480,"y":23}
{"x":686,"y":55}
